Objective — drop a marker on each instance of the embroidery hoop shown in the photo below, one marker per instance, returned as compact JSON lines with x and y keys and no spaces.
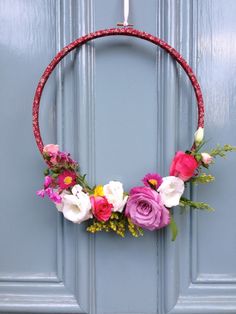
{"x":125,"y":31}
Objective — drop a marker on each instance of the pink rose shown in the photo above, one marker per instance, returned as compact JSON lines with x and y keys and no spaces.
{"x":145,"y":209}
{"x":51,"y":149}
{"x":207,"y":159}
{"x":101,"y":208}
{"x":183,"y":166}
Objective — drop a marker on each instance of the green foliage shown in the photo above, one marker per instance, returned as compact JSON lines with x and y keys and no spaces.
{"x":202,"y":178}
{"x":173,"y":228}
{"x":199,"y":147}
{"x":83,"y":182}
{"x":222,"y":150}
{"x":46,"y":172}
{"x":118,"y":223}
{"x":134,"y":230}
{"x":198,"y":157}
{"x":184,"y":202}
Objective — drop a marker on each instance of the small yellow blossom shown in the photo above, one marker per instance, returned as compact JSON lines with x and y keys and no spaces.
{"x":99,"y":191}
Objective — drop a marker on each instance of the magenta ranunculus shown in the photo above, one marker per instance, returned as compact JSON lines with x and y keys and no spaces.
{"x":183,"y":166}
{"x":145,"y":209}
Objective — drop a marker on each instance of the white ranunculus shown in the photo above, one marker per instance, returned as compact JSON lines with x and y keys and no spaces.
{"x":114,"y":193}
{"x":171,"y":191}
{"x":59,"y":206}
{"x":77,"y":189}
{"x":76,"y":206}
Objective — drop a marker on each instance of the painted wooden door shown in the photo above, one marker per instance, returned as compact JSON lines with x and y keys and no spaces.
{"x":122,"y":107}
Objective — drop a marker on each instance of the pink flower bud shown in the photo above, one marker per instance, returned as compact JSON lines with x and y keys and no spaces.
{"x":51,"y":149}
{"x":207,"y":159}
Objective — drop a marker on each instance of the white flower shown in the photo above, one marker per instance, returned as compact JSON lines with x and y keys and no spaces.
{"x":114,"y":193}
{"x":76,"y":207}
{"x":77,"y":189}
{"x":59,"y":206}
{"x":171,"y":190}
{"x":207,"y":158}
{"x":198,"y":136}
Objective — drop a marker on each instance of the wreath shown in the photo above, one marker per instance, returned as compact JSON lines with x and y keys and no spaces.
{"x":108,"y":207}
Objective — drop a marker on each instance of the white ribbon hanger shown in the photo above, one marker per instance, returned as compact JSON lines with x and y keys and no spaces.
{"x":126,"y":15}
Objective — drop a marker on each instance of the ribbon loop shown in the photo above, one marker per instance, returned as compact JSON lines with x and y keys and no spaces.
{"x":126,"y":15}
{"x":126,"y":12}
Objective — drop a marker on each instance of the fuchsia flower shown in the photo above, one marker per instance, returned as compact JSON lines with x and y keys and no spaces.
{"x":66,"y":179}
{"x":54,"y":196}
{"x":57,"y":157}
{"x":101,"y":208}
{"x":62,"y":158}
{"x":41,"y":193}
{"x":47,"y":181}
{"x":65,"y":157}
{"x":153,"y":180}
{"x":145,"y":209}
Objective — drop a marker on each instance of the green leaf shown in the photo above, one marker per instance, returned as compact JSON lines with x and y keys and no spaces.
{"x":200,"y":146}
{"x":202,"y":178}
{"x":134,"y":230}
{"x":46,"y":172}
{"x":184,"y":202}
{"x":222,"y":150}
{"x":54,"y":175}
{"x":173,"y":228}
{"x":198,"y":157}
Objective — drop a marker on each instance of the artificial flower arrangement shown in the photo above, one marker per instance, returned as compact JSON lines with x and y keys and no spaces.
{"x":110,"y":208}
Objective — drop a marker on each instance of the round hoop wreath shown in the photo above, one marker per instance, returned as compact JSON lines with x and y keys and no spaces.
{"x":109,"y":207}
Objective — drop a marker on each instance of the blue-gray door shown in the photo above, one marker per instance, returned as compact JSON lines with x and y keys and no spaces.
{"x":122,"y":107}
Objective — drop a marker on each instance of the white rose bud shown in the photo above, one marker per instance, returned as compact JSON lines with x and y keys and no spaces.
{"x":198,"y":136}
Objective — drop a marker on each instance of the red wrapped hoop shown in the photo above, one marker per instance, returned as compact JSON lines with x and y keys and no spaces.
{"x":104,"y":33}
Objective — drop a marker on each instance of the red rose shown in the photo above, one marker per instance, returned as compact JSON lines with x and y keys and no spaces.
{"x":183,"y":166}
{"x":101,"y":207}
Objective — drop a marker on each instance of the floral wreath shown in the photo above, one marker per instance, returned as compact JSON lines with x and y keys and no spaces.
{"x":109,"y":207}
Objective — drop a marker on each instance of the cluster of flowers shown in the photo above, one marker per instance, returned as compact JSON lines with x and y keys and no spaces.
{"x":146,"y":206}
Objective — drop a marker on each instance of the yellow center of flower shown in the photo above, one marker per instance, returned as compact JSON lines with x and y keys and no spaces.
{"x":68,"y":180}
{"x":153,"y":182}
{"x":99,"y":191}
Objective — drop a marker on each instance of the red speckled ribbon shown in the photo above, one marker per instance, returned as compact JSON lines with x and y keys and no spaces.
{"x":104,"y":33}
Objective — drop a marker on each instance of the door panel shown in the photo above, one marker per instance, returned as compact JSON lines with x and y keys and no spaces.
{"x":122,"y":107}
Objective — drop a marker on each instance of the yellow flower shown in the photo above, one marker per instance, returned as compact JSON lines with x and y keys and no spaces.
{"x":99,"y":191}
